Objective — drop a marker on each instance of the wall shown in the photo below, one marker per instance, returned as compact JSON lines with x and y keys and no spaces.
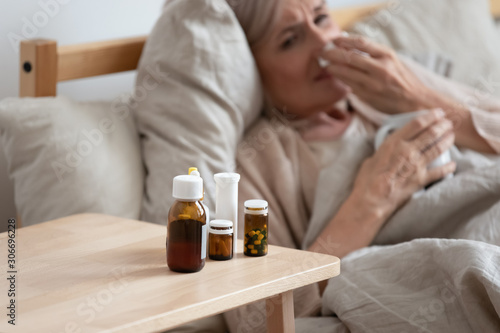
{"x":69,"y":22}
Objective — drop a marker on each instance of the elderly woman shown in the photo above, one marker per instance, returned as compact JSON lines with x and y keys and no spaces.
{"x":287,"y":37}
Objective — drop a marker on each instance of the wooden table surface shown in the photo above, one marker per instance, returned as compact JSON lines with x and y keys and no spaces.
{"x":94,"y":273}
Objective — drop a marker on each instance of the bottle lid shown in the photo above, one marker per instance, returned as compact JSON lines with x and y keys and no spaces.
{"x":221,"y":227}
{"x":256,"y":207}
{"x":187,"y":187}
{"x":227,"y":178}
{"x":194,"y":172}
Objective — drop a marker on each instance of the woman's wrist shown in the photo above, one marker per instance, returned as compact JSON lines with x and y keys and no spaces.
{"x":466,"y":134}
{"x":353,"y":227}
{"x":428,"y":99}
{"x":366,"y":210}
{"x":435,"y":100}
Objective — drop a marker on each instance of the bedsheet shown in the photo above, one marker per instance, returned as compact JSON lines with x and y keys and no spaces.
{"x":425,"y":285}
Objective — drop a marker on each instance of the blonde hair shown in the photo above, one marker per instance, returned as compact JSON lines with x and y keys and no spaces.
{"x":256,"y":17}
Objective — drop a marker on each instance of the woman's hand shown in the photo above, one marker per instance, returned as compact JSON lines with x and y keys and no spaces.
{"x":399,"y":168}
{"x":386,"y":181}
{"x":380,"y":79}
{"x":387,"y":84}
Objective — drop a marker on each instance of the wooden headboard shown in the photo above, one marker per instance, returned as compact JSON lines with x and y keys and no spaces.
{"x":43,"y":64}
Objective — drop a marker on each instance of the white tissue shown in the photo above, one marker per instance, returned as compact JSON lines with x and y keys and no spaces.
{"x":330,"y":46}
{"x":322,"y":62}
{"x":364,"y":54}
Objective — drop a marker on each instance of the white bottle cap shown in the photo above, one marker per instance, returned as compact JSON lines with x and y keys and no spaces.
{"x":187,"y":187}
{"x":256,"y":207}
{"x":227,"y":178}
{"x":226,"y":224}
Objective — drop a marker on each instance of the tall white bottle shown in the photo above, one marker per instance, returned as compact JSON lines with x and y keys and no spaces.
{"x":226,"y":200}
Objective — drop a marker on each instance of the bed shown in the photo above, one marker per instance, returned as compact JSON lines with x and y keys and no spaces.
{"x":43,"y":64}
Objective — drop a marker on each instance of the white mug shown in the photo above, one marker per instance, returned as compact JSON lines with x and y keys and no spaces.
{"x":395,"y":122}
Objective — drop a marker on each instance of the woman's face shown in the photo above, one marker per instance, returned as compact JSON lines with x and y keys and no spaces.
{"x":288,"y":59}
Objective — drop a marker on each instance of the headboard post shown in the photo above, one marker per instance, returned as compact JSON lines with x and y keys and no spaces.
{"x":495,"y":8}
{"x":38,"y":68}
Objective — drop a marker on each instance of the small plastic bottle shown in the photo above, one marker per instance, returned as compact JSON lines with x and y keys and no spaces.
{"x":186,"y":228}
{"x":220,"y":240}
{"x":256,"y":228}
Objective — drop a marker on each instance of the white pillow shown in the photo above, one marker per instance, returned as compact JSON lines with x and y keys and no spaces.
{"x":462,"y":30}
{"x":67,"y":157}
{"x":208,"y":93}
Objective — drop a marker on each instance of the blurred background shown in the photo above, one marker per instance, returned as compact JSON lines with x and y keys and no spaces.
{"x":71,"y":22}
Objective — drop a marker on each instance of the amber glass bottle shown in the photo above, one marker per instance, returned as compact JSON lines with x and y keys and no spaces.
{"x":256,"y":228}
{"x":220,"y":240}
{"x":186,"y":228}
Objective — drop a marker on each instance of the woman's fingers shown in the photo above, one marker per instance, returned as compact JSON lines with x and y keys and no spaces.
{"x":362,"y":44}
{"x":424,"y":150}
{"x":432,"y":134}
{"x":418,"y":125}
{"x":425,"y":139}
{"x":352,"y":76}
{"x":435,"y":149}
{"x":438,"y":173}
{"x":354,"y":60}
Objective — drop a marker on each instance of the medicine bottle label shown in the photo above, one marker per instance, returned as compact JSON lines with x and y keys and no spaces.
{"x":204,"y":241}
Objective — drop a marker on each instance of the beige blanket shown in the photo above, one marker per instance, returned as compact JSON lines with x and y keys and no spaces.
{"x":278,"y":166}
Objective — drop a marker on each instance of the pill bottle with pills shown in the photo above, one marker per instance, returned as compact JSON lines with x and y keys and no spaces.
{"x":220,"y":240}
{"x":256,"y":228}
